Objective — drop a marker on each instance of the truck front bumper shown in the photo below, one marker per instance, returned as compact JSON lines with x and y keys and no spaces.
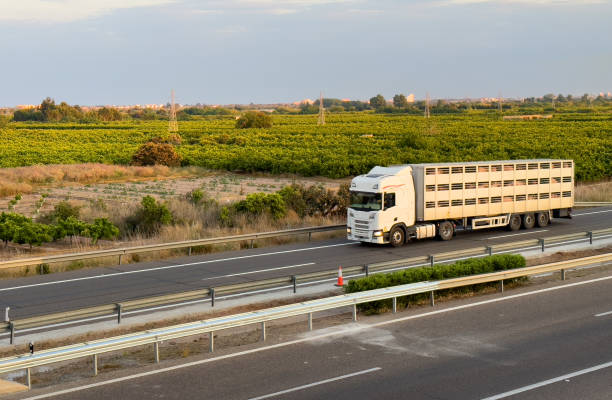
{"x":369,"y":238}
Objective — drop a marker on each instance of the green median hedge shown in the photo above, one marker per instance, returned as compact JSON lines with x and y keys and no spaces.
{"x":472,"y":266}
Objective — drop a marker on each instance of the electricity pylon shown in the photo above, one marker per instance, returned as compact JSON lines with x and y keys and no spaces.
{"x":172,"y":124}
{"x":321,"y":120}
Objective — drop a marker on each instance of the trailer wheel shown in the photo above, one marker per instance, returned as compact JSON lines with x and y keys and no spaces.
{"x":528,"y":221}
{"x":445,"y":230}
{"x":397,"y":237}
{"x":542,"y":219}
{"x":515,"y":222}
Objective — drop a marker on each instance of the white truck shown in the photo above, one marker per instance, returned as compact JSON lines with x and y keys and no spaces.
{"x":398,"y":203}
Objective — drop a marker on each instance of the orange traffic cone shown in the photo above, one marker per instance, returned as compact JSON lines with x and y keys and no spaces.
{"x":340,"y":280}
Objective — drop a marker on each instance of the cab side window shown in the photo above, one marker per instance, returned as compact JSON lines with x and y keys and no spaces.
{"x":389,"y":200}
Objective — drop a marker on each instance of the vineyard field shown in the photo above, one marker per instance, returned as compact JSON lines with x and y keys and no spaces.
{"x":349,"y":143}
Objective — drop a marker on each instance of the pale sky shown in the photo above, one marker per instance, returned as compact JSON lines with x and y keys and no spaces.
{"x":263,"y":51}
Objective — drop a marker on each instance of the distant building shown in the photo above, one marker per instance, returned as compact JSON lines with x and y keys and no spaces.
{"x":25,"y":106}
{"x":302,"y":102}
{"x":410,"y":98}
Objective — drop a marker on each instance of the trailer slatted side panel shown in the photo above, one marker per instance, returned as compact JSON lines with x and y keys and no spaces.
{"x":460,"y":190}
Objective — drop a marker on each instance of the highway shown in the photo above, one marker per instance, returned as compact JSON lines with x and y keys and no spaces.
{"x":88,"y":287}
{"x":552,"y":341}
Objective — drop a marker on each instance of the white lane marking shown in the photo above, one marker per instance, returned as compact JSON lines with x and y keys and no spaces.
{"x":275,"y":289}
{"x":348,"y":331}
{"x":603,"y":314}
{"x":549,"y":381}
{"x":173,"y":266}
{"x":295,"y":389}
{"x":516,"y":234}
{"x":593,"y":212}
{"x":260,"y":270}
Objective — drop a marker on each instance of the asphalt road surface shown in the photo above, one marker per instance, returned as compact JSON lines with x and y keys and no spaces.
{"x":545,"y":342}
{"x":88,"y":287}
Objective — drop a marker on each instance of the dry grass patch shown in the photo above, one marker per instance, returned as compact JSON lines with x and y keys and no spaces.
{"x":601,"y":191}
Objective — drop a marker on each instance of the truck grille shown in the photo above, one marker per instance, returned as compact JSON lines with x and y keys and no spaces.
{"x":361,"y":224}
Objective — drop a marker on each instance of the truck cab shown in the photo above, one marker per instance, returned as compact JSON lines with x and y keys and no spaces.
{"x":381,"y":205}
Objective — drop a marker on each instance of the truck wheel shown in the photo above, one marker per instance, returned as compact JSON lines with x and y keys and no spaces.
{"x":542,"y":219}
{"x":515,"y":222}
{"x":396,"y":237}
{"x":528,"y":221}
{"x":445,"y":230}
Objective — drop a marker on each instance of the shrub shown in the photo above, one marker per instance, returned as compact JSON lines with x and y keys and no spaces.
{"x":32,"y":233}
{"x":150,"y":216}
{"x":62,"y":211}
{"x":195,"y":196}
{"x":9,"y":224}
{"x":254,"y":119}
{"x":472,"y":266}
{"x":260,"y":203}
{"x":70,"y":226}
{"x":152,"y":153}
{"x":102,"y":228}
{"x":315,"y":200}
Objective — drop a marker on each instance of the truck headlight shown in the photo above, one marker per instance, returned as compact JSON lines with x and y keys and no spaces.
{"x":348,"y":229}
{"x":377,"y":233}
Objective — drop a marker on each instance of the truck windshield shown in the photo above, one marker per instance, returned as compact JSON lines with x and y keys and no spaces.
{"x":364,"y":201}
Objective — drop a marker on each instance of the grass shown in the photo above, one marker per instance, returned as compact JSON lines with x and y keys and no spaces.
{"x":600,"y":191}
{"x":28,"y":179}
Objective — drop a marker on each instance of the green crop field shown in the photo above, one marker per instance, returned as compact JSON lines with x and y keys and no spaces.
{"x":349,"y":144}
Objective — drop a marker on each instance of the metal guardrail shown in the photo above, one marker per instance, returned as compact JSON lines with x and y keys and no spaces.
{"x":189,"y":244}
{"x":155,"y":336}
{"x":211,"y":294}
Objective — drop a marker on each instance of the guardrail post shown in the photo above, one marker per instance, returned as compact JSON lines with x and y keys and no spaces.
{"x":28,"y":378}
{"x":590,"y":237}
{"x":562,"y":274}
{"x":156,"y":349}
{"x":211,"y":341}
{"x":432,"y":299}
{"x":120,"y":256}
{"x":309,"y":236}
{"x":6,"y":314}
{"x":263,"y":331}
{"x":431,"y":260}
{"x":212,"y":297}
{"x":501,"y":286}
{"x":490,"y":250}
{"x":309,"y":321}
{"x":394,"y":305}
{"x":542,"y":244}
{"x":294,"y":281}
{"x":354,"y":312}
{"x":95,"y":364}
{"x":12,"y":328}
{"x":252,"y":240}
{"x":189,"y":253}
{"x":118,"y":313}
{"x":367,"y":270}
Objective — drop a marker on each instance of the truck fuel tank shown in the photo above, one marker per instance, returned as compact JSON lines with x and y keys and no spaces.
{"x":425,"y":231}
